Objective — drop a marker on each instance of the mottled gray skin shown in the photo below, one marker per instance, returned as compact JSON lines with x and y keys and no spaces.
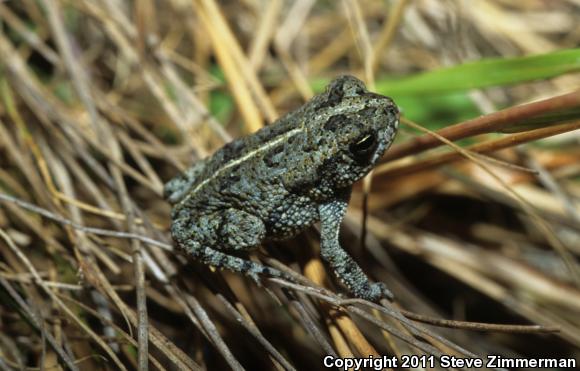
{"x":277,"y":182}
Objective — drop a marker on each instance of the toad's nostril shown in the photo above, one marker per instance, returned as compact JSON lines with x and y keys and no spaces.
{"x":392,"y":110}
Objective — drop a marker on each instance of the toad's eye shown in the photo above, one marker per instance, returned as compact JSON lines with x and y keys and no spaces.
{"x":364,"y":146}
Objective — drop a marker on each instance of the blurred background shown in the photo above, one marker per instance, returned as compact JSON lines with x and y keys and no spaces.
{"x":102,"y":101}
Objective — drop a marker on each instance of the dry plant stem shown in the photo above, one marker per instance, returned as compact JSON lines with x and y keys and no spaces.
{"x":36,"y":322}
{"x":413,"y":328}
{"x":294,"y":23}
{"x":363,"y":41}
{"x":550,"y":183}
{"x":141,"y":300}
{"x":5,"y":364}
{"x":166,"y":347}
{"x":39,"y":281}
{"x":195,"y":108}
{"x":310,"y":325}
{"x":139,"y":277}
{"x":45,"y":106}
{"x":388,"y":32}
{"x":485,"y":124}
{"x":529,"y":40}
{"x":314,"y":270}
{"x":97,"y":231}
{"x":478,"y":326}
{"x":35,"y":226}
{"x":447,"y":254}
{"x":331,"y":53}
{"x":170,"y":350}
{"x":264,"y":33}
{"x":333,"y":299}
{"x":230,"y":53}
{"x":248,"y":72}
{"x":353,"y":334}
{"x":145,"y":23}
{"x":22,"y":132}
{"x":121,"y":32}
{"x":30,"y":37}
{"x":297,"y":76}
{"x":338,"y":320}
{"x":85,"y":182}
{"x":255,"y":331}
{"x":199,"y":318}
{"x":75,"y":70}
{"x":212,"y":332}
{"x":546,"y":229}
{"x":285,"y":35}
{"x":248,"y":109}
{"x":139,"y":157}
{"x":339,"y":325}
{"x":348,"y":305}
{"x":139,"y":270}
{"x":177,"y":356}
{"x":86,"y":250}
{"x":389,"y":171}
{"x":41,"y":163}
{"x":0,"y":195}
{"x":337,"y":337}
{"x":538,"y":314}
{"x":109,"y":322}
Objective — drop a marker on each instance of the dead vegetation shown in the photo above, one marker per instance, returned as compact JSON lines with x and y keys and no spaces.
{"x":102,"y":101}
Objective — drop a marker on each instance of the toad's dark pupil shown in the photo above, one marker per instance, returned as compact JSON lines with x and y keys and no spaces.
{"x":364,"y":146}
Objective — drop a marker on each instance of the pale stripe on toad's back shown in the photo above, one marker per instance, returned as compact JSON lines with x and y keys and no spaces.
{"x":247,"y":156}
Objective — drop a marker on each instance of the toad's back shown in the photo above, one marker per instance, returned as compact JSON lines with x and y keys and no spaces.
{"x":244,"y":173}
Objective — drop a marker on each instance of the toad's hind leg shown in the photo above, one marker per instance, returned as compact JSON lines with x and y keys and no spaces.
{"x":229,"y":230}
{"x":239,"y":230}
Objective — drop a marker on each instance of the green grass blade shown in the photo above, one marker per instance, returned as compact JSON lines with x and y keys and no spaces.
{"x":484,"y":73}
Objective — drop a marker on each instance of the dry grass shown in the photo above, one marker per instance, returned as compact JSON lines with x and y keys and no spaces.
{"x":102,"y":101}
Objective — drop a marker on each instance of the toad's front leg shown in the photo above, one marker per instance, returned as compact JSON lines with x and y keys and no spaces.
{"x":345,"y":268}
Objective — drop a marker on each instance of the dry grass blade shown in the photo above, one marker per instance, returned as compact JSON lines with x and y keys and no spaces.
{"x":388,"y":32}
{"x":97,"y":231}
{"x":47,"y":290}
{"x":391,"y":170}
{"x":494,"y":122}
{"x":26,"y":312}
{"x":480,"y":326}
{"x":557,"y":244}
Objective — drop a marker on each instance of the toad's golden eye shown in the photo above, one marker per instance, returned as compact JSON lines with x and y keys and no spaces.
{"x":364,"y":146}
